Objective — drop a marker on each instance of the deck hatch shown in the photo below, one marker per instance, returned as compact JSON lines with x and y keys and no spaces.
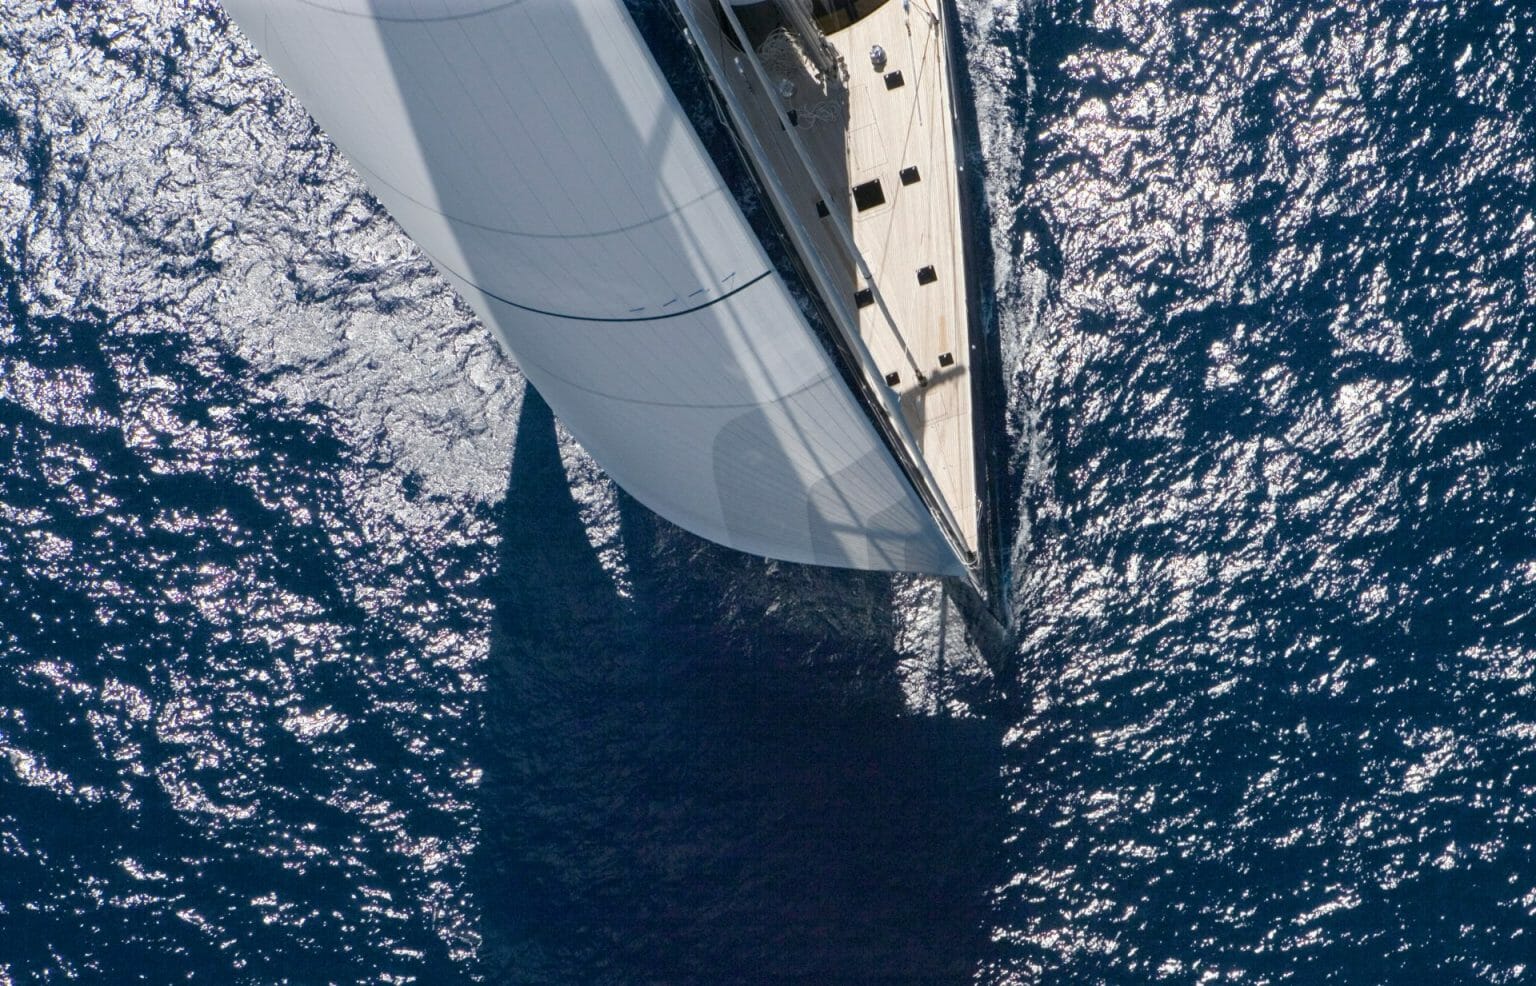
{"x":927,"y":275}
{"x":910,"y":176}
{"x":868,"y":195}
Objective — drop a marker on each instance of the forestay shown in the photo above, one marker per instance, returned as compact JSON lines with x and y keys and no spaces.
{"x":534,"y":152}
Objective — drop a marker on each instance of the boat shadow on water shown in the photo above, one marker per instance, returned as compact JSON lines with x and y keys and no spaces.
{"x":713,"y":780}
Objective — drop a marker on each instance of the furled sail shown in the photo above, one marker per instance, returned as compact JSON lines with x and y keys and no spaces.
{"x":534,"y":152}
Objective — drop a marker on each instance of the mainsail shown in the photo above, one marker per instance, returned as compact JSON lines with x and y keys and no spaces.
{"x":535,"y":153}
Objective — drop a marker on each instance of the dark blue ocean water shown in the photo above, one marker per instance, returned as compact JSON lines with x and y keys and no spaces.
{"x":327,"y":656}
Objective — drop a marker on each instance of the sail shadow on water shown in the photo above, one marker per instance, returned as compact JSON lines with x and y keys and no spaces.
{"x":715,"y":779}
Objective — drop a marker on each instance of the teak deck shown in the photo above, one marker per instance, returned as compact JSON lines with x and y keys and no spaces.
{"x":871,"y":125}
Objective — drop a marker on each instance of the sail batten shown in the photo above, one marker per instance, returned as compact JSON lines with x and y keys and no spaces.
{"x":536,"y":155}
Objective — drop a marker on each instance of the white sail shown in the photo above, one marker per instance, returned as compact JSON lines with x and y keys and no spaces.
{"x":534,"y":152}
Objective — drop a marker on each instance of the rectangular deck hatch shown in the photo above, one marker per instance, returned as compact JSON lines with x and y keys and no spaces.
{"x":868,"y":195}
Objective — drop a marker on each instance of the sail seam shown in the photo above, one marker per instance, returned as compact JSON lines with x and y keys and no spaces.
{"x":635,"y":400}
{"x":596,"y":318}
{"x":596,"y":234}
{"x":428,"y":19}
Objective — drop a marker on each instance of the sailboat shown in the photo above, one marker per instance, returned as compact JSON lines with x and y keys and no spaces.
{"x":821,"y":409}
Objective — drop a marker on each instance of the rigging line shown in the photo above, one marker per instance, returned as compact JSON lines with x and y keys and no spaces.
{"x":819,"y":458}
{"x":893,"y":423}
{"x":911,"y":58}
{"x":919,"y":68}
{"x":838,"y":222}
{"x":934,"y":18}
{"x":884,"y":413}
